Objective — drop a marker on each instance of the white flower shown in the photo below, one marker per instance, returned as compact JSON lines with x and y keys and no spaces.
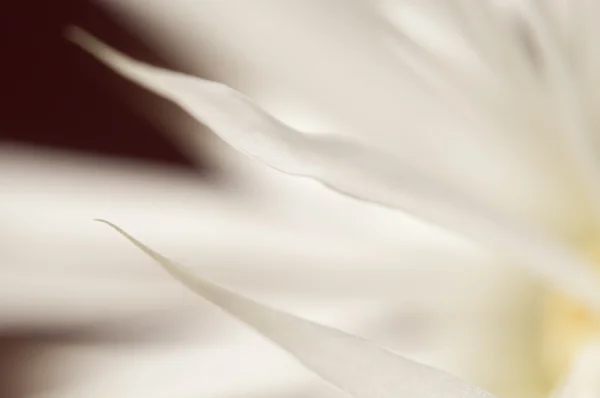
{"x":533,"y":95}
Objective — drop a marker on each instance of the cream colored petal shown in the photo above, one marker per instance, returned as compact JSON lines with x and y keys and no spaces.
{"x":330,"y":57}
{"x":353,"y":169}
{"x":53,"y":257}
{"x":583,"y":380}
{"x":471,"y":343}
{"x":202,"y":344}
{"x":59,"y":270}
{"x":352,"y":364}
{"x":473,"y":37}
{"x":466,"y":337}
{"x":566,"y":94}
{"x":203,"y":353}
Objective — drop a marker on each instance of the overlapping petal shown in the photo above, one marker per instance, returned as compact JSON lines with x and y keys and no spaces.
{"x":358,"y":367}
{"x":582,"y":381}
{"x":355,"y":170}
{"x":329,"y":57}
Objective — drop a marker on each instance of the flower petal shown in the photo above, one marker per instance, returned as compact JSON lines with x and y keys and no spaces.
{"x":483,"y":23}
{"x":583,"y":380}
{"x":350,"y":363}
{"x":353,"y":169}
{"x":51,"y":257}
{"x":567,"y":97}
{"x":329,"y":62}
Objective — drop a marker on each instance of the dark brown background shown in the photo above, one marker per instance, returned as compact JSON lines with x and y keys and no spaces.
{"x":54,"y":95}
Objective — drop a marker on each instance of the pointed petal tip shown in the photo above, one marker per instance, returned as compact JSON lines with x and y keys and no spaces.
{"x":157,"y":257}
{"x":71,"y":32}
{"x":80,"y":37}
{"x":333,"y":355}
{"x":110,"y":224}
{"x":351,"y":169}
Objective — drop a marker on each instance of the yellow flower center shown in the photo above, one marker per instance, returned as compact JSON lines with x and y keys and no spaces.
{"x":567,"y":326}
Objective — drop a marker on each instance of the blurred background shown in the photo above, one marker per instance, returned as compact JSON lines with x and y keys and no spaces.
{"x":56,"y":97}
{"x":56,"y":101}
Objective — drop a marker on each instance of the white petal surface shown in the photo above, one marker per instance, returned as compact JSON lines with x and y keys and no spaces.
{"x":354,"y":365}
{"x":56,"y":267}
{"x":354,"y":170}
{"x":330,"y":56}
{"x":59,"y":270}
{"x":201,"y":354}
{"x":583,"y":380}
{"x":568,"y":99}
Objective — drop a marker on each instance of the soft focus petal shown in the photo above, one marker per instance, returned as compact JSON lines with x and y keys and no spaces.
{"x":565,"y":91}
{"x":354,"y":365}
{"x":201,"y":354}
{"x":52,"y":257}
{"x":352,"y":169}
{"x":464,"y":334}
{"x":445,"y":304}
{"x":583,"y":380}
{"x":585,"y":50}
{"x":331,"y":57}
